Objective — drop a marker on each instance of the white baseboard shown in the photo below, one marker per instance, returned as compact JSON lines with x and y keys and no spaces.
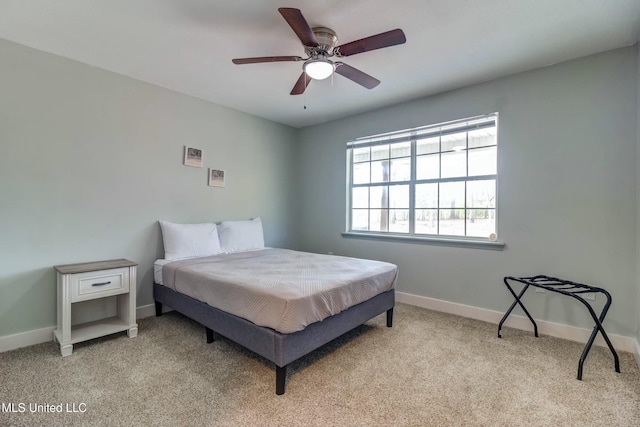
{"x":637,"y":353}
{"x":557,"y":330}
{"x":24,"y":339}
{"x":38,"y":336}
{"x":149,"y":311}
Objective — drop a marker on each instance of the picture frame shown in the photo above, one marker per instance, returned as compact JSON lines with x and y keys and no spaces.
{"x":193,"y":156}
{"x":216,"y":178}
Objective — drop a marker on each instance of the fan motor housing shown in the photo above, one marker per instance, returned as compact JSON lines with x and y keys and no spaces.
{"x":327,"y":40}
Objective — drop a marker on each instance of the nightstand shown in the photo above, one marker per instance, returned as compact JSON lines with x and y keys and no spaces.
{"x":78,"y":283}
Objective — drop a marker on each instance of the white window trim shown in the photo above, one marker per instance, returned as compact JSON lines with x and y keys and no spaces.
{"x":466,"y":242}
{"x":410,"y":237}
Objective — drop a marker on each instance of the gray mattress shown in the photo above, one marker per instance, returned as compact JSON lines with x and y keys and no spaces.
{"x":280,"y":289}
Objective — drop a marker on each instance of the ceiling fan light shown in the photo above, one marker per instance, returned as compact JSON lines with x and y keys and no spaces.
{"x":318,"y":69}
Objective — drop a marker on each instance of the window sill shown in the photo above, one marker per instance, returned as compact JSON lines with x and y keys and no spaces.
{"x":437,"y":241}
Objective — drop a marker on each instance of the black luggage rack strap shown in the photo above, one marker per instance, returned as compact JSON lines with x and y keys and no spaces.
{"x":572,"y":289}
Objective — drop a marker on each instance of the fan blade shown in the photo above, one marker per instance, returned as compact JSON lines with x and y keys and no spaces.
{"x":301,"y":84}
{"x":299,"y":25}
{"x":266,"y":59}
{"x":356,"y":75}
{"x":390,"y":38}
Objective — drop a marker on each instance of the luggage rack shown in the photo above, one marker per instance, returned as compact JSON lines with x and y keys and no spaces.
{"x":572,"y":289}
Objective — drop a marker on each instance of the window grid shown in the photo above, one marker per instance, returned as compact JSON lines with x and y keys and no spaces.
{"x":464,"y":211}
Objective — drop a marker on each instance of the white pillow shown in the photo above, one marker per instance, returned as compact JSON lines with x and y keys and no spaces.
{"x":239,"y":236}
{"x":189,"y":240}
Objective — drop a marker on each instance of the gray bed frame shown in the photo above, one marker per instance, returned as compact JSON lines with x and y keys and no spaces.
{"x":279,"y":348}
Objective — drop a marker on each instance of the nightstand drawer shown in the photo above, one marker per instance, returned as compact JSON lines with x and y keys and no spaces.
{"x":98,"y":284}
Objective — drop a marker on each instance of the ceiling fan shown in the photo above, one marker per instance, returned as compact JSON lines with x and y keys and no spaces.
{"x":320,"y":45}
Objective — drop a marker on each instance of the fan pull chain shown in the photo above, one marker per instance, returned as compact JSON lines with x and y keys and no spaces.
{"x":304,"y":94}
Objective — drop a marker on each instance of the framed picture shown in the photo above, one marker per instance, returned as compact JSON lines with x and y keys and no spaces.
{"x":216,"y":178}
{"x":192,"y":157}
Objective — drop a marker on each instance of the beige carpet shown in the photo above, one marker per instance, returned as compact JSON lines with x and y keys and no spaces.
{"x":430,"y":369}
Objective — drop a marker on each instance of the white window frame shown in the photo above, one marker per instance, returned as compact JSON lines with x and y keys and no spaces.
{"x":412,"y":135}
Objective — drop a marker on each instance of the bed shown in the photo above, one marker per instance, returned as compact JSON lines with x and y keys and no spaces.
{"x":278,"y":303}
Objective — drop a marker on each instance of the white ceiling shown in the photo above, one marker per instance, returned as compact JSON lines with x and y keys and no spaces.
{"x":187,"y":45}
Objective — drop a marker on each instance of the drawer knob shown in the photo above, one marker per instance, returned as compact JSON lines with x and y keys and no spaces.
{"x":100,"y":284}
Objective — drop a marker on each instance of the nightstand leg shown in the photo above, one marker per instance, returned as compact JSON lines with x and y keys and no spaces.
{"x":132,"y":332}
{"x":66,"y":350}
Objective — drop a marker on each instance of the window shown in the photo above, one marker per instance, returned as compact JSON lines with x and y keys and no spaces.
{"x":437,"y":180}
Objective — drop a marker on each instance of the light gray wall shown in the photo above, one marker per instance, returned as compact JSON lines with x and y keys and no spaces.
{"x":567,"y":189}
{"x":90,"y":160}
{"x":638,"y":196}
